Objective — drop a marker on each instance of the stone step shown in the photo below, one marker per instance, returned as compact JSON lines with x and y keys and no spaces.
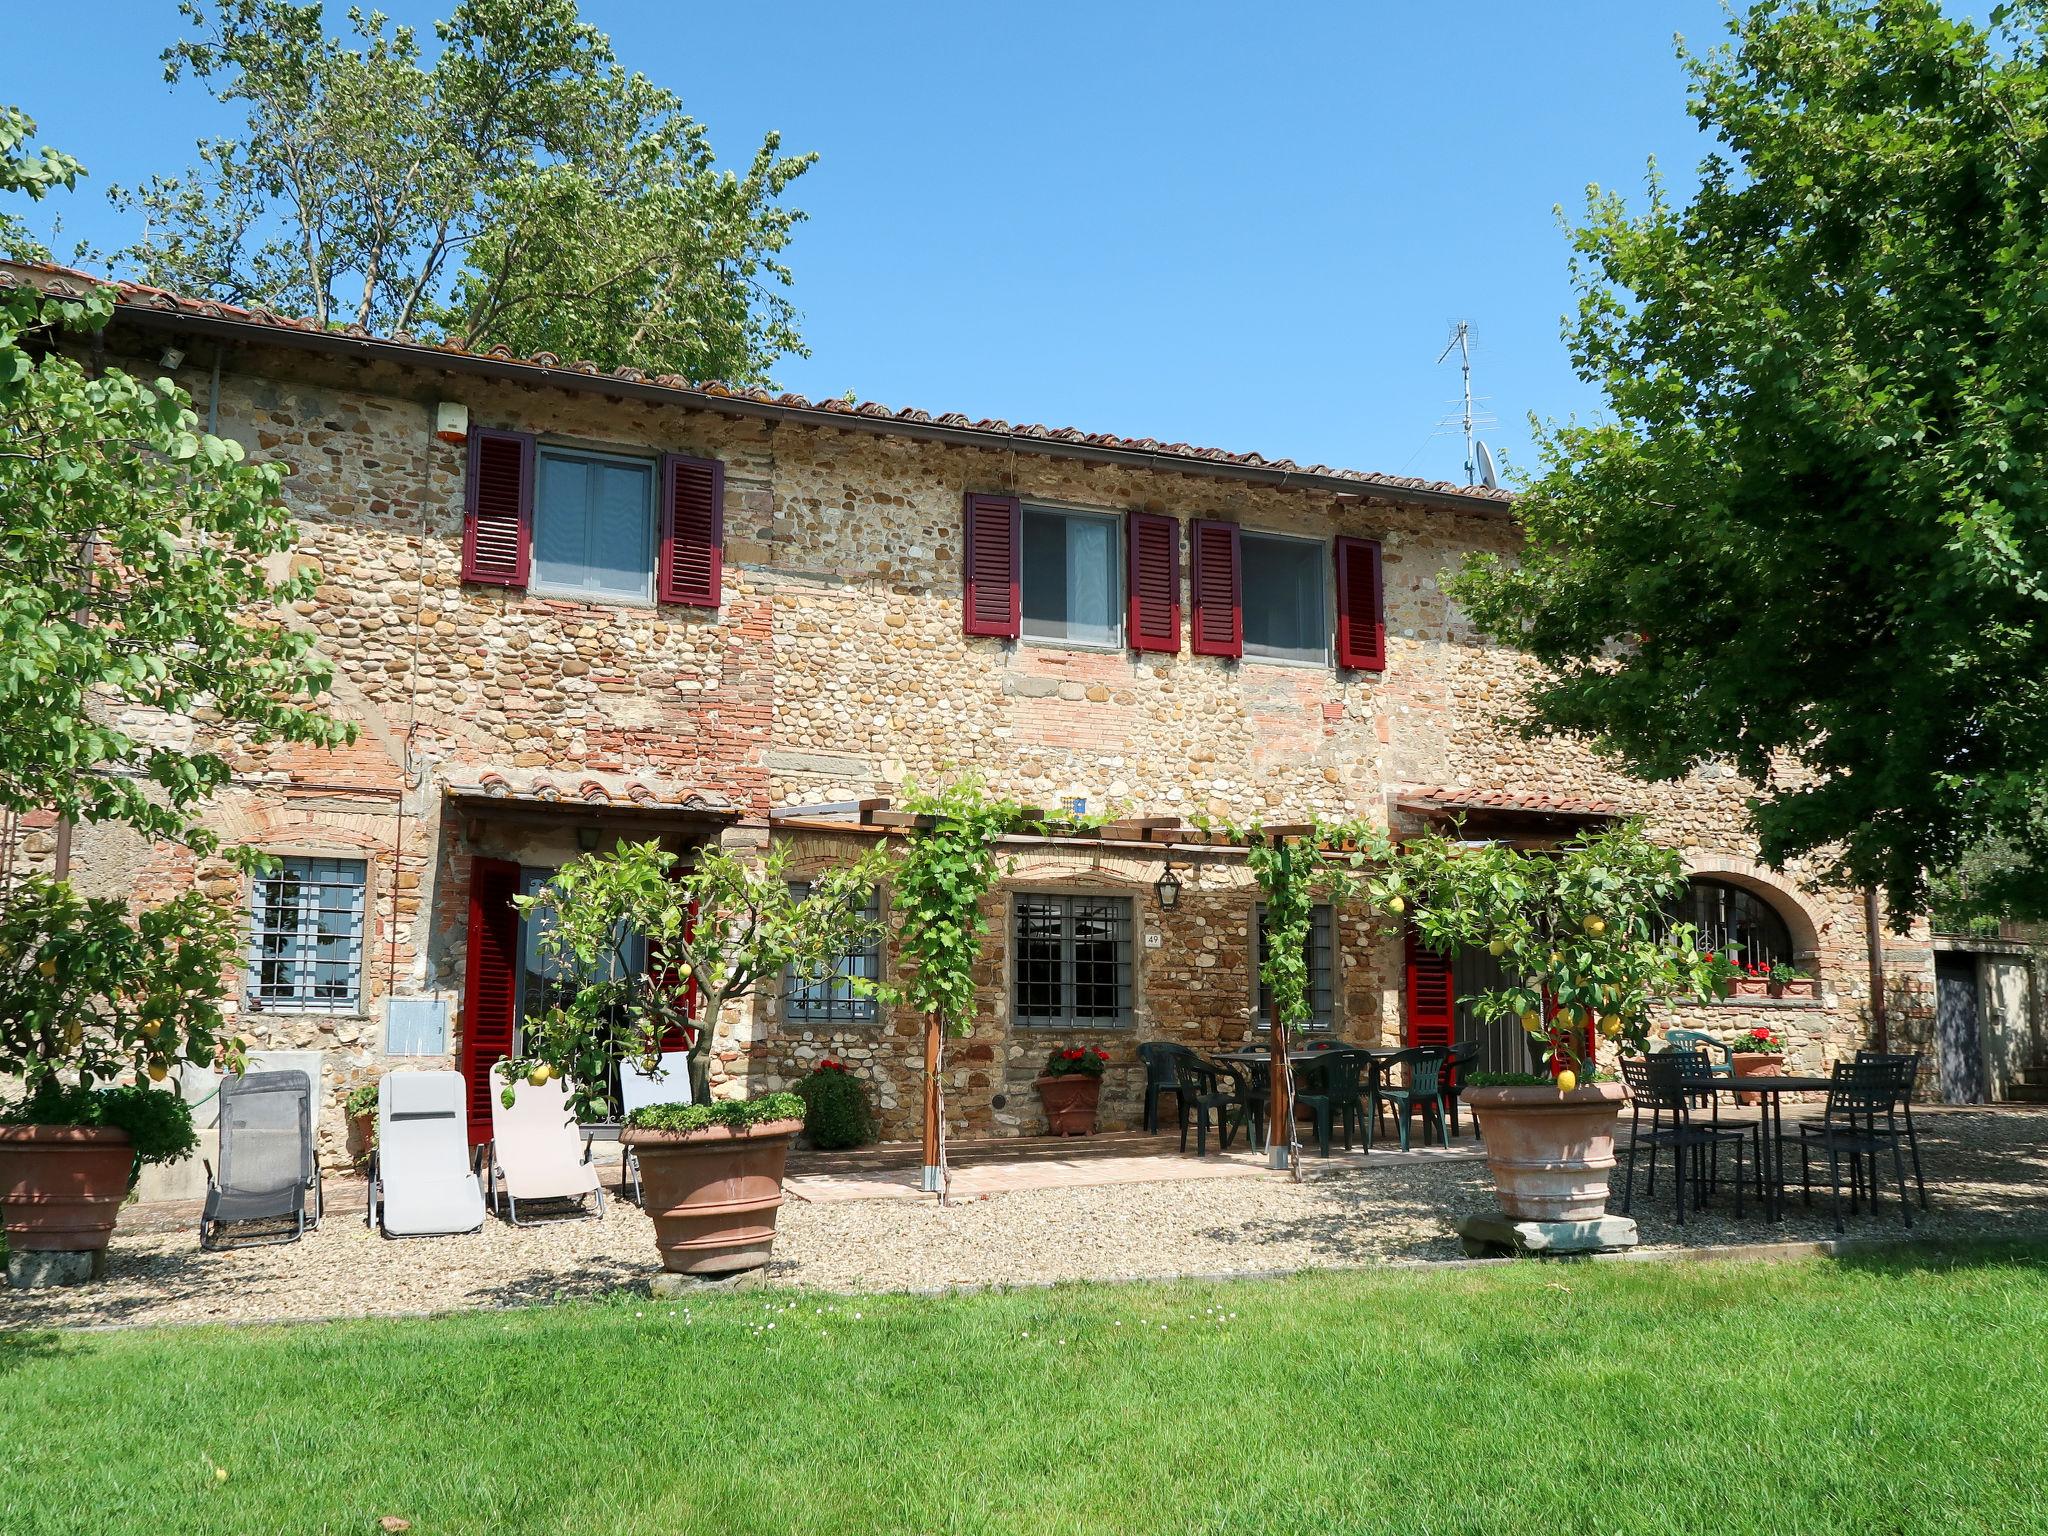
{"x":2024,"y":1092}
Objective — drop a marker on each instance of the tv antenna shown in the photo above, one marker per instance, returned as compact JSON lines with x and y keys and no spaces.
{"x":1480,"y":467}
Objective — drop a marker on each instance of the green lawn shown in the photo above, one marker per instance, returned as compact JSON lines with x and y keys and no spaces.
{"x":1903,"y":1394}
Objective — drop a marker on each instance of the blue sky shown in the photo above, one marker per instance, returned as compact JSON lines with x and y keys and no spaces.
{"x":1244,"y":226}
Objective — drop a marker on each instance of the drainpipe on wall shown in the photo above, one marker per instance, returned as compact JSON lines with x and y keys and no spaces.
{"x":1880,"y":1031}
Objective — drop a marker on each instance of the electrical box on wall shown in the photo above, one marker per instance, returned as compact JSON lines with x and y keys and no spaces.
{"x":416,"y":1026}
{"x":451,"y":422}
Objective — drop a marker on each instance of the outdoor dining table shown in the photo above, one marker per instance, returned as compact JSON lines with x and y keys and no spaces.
{"x":1771,"y":1093}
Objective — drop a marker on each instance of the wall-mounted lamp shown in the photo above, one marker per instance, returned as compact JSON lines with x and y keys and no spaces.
{"x":1167,"y":889}
{"x":587,"y":838}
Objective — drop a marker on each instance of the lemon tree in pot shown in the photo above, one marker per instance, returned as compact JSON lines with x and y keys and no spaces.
{"x":97,"y":1007}
{"x":714,"y":929}
{"x":1581,"y":935}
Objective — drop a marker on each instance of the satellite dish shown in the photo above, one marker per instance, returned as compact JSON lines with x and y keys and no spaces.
{"x":1489,"y":471}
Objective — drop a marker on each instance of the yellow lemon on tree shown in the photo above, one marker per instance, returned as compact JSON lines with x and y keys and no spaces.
{"x":48,"y":968}
{"x":1567,"y":1080}
{"x":537,"y":1078}
{"x":1610,"y":1026}
{"x":1556,"y":959}
{"x":1496,"y":947}
{"x":1532,"y":1021}
{"x":1595,"y":926}
{"x":157,"y":1070}
{"x":1396,"y":905}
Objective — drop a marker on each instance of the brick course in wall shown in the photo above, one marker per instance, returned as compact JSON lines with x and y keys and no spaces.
{"x":837,"y":668}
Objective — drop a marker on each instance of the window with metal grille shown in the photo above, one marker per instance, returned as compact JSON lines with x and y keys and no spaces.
{"x":306,"y":936}
{"x":1322,"y":969}
{"x":1734,"y":922}
{"x":828,"y":996}
{"x":1073,"y":961}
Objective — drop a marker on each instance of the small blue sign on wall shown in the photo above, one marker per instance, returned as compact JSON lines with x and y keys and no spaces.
{"x":416,"y":1026}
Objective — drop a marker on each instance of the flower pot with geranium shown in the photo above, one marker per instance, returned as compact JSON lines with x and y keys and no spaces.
{"x":1758,"y":1052}
{"x":1070,"y":1085}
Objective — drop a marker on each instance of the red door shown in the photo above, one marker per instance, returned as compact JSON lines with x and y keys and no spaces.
{"x":1432,"y":1001}
{"x":490,"y":989}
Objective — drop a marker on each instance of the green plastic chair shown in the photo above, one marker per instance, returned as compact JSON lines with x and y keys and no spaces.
{"x":1423,"y":1091}
{"x":1332,"y":1091}
{"x":1700,"y":1040}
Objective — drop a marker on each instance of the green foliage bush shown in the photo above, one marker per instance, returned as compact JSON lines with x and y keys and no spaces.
{"x":733,"y":1113}
{"x":836,"y":1108}
{"x":158,"y":1122}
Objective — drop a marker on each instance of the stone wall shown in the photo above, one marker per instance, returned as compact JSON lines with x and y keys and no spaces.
{"x":837,"y":668}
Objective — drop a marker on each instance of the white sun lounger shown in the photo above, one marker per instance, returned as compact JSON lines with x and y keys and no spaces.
{"x":421,"y":1180}
{"x":535,"y":1151}
{"x":668,"y":1083}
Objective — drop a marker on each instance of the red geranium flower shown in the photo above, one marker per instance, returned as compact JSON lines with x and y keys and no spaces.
{"x":1101,"y":1054}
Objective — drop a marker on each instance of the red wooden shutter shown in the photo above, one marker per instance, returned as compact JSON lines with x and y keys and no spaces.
{"x":993,"y":543}
{"x":1432,"y":1013}
{"x":490,"y":994}
{"x":1154,"y":543}
{"x":692,"y":531}
{"x":676,"y":1038}
{"x":1361,"y":606}
{"x":497,"y":517}
{"x":1218,"y":621}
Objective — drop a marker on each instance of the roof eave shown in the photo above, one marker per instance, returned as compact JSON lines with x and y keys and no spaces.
{"x":519,"y":371}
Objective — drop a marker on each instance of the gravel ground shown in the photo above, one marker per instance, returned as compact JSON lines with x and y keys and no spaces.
{"x":1988,"y":1177}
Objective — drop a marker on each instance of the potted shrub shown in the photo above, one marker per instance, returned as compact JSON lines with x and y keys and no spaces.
{"x":359,"y":1108}
{"x":1758,"y":1052}
{"x":711,"y":1171}
{"x":836,"y":1109}
{"x":1070,"y":1086}
{"x":1581,"y":934}
{"x":91,"y":995}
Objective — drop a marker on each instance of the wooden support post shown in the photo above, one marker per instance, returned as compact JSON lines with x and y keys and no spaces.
{"x":1279,"y":1102}
{"x":933,"y":1044}
{"x":1880,"y":1023}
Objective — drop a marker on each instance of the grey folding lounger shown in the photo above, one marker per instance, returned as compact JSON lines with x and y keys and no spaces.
{"x":268,"y":1170}
{"x":421,"y":1180}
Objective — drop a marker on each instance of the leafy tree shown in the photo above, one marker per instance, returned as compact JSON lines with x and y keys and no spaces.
{"x":523,"y":189}
{"x":134,"y":592}
{"x":33,"y":172}
{"x":1811,"y":540}
{"x":713,"y":932}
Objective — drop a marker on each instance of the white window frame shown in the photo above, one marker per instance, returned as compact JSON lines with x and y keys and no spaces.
{"x":1119,"y":597}
{"x":1326,"y":585}
{"x":542,"y":588}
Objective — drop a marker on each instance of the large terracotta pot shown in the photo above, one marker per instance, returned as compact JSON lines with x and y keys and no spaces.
{"x":713,"y":1194}
{"x":1550,"y":1153}
{"x":1070,"y":1103}
{"x":1756,"y":1064}
{"x":61,"y":1186}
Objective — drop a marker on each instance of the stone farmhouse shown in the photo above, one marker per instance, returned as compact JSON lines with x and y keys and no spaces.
{"x":568,"y":607}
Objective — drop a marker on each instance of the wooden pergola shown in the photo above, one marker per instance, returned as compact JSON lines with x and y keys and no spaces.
{"x":1165,"y":835}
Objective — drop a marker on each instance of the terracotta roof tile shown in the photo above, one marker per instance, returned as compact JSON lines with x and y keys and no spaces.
{"x":67,"y":280}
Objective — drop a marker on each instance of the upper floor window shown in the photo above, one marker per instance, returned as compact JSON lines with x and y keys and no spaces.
{"x":1284,"y":585}
{"x":1070,"y":576}
{"x":1073,"y":961}
{"x":1735,"y":922}
{"x":1322,"y":969}
{"x":306,"y":936}
{"x":828,"y":996}
{"x":593,"y":526}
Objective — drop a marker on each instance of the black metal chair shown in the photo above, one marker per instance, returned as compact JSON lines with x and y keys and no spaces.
{"x":1162,"y":1075}
{"x":1231,"y":1105}
{"x":1332,"y":1091}
{"x":1907,"y":1065}
{"x":1859,"y":1122}
{"x":1660,"y":1082}
{"x":1421,"y":1092}
{"x":1464,"y":1055}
